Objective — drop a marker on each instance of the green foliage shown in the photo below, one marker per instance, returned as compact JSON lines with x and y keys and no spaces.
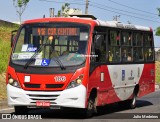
{"x":158,"y":31}
{"x":59,"y":13}
{"x":20,"y":6}
{"x":158,"y":11}
{"x":64,"y":10}
{"x":5,"y":36}
{"x":20,"y":3}
{"x":4,"y":54}
{"x":158,"y":72}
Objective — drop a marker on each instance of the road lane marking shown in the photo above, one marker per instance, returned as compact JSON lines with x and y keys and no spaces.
{"x":6,"y":109}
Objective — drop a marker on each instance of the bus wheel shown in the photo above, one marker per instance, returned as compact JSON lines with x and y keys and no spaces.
{"x":21,"y":110}
{"x":132,"y":102}
{"x":91,"y":108}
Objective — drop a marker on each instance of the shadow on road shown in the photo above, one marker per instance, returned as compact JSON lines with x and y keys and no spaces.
{"x":77,"y":114}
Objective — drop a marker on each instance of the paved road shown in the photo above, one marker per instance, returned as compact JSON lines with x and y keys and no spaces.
{"x":147,"y":105}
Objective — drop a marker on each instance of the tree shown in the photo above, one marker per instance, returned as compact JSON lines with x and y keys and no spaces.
{"x":20,"y":6}
{"x":64,"y":10}
{"x":158,"y":11}
{"x":158,"y":31}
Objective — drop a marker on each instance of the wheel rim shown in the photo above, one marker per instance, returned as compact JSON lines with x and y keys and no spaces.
{"x":134,"y":101}
{"x":90,"y":105}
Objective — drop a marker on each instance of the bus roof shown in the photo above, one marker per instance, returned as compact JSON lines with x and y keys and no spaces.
{"x":61,"y":19}
{"x":117,"y":24}
{"x":90,"y":19}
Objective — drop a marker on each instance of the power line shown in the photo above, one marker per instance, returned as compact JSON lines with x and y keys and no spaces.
{"x":62,"y":2}
{"x":133,"y":8}
{"x":123,"y":13}
{"x":123,"y":10}
{"x":113,"y":11}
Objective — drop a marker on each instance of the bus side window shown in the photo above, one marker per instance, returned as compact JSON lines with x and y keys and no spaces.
{"x":126,"y":54}
{"x":148,"y":41}
{"x":114,"y":46}
{"x":126,"y":38}
{"x":100,"y":48}
{"x":149,"y":54}
{"x":148,"y":47}
{"x":114,"y":54}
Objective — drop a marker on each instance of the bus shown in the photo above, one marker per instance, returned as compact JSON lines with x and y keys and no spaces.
{"x":79,"y":62}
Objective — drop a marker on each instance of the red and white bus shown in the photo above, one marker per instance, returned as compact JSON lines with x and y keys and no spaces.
{"x":79,"y":62}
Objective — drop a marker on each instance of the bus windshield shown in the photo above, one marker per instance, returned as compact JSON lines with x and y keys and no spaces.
{"x":66,"y":42}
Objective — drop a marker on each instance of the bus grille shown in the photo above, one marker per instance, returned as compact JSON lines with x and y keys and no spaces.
{"x":54,"y":85}
{"x":47,"y":85}
{"x":38,"y":97}
{"x":32,"y":85}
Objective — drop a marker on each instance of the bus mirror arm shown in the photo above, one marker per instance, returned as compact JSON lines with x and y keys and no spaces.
{"x":13,"y":33}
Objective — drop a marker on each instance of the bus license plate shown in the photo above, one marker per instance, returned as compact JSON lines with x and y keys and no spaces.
{"x":43,"y":103}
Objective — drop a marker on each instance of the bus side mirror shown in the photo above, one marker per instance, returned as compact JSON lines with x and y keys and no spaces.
{"x":13,"y":33}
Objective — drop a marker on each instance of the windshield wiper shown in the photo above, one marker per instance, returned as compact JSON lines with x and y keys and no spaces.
{"x":32,"y":58}
{"x":58,"y":61}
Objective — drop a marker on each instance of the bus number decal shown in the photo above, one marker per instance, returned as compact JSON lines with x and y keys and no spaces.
{"x":60,"y":78}
{"x":123,"y":75}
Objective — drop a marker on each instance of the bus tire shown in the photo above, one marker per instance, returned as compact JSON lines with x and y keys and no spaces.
{"x":132,"y":102}
{"x":21,"y":110}
{"x":129,"y":104}
{"x":91,"y":108}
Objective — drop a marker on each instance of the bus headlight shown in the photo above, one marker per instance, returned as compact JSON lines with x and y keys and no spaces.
{"x":13,"y":82}
{"x":76,"y":82}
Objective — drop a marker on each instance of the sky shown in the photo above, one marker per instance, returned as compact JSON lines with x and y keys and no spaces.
{"x":138,"y":12}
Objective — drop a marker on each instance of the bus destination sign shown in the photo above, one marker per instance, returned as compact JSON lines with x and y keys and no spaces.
{"x":55,"y":31}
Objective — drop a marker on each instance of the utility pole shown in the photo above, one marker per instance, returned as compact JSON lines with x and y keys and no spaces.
{"x":115,"y":18}
{"x":51,"y":11}
{"x":86,"y":10}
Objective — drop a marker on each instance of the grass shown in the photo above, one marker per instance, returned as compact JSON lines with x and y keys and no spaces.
{"x":3,"y":92}
{"x":158,"y":72}
{"x":5,"y":36}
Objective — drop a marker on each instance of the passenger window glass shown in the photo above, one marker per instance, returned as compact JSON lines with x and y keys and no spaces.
{"x":114,"y":38}
{"x":148,"y":42}
{"x":138,"y":54}
{"x":137,"y":39}
{"x":126,"y":38}
{"x":114,"y":54}
{"x":149,"y":54}
{"x":126,"y":54}
{"x":100,"y":48}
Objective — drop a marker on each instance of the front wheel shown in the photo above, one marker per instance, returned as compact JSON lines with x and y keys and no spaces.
{"x":91,"y":108}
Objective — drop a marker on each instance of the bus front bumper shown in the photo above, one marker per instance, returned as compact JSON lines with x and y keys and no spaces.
{"x":73,"y":97}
